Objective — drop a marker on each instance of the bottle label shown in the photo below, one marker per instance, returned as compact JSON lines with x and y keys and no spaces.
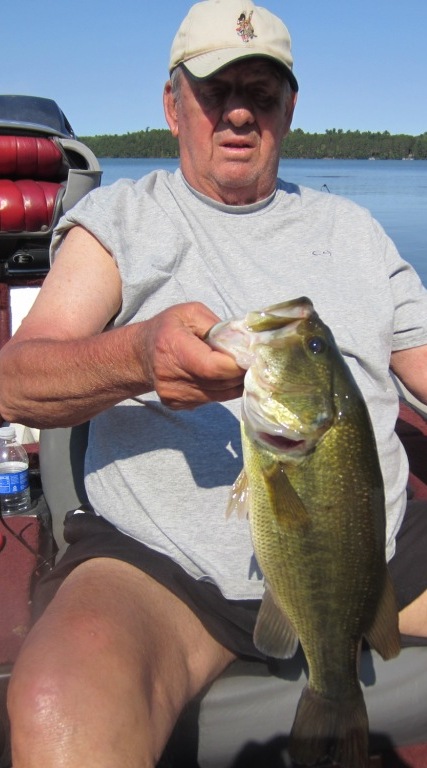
{"x":14,"y":482}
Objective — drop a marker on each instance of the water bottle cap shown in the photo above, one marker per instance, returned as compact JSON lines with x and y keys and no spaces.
{"x":7,"y":433}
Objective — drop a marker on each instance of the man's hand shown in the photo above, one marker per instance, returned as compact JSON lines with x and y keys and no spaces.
{"x":182,"y":368}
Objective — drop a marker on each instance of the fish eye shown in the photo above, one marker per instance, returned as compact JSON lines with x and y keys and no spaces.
{"x":317,"y":345}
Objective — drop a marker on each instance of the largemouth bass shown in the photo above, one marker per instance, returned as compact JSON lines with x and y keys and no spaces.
{"x":313,"y":490}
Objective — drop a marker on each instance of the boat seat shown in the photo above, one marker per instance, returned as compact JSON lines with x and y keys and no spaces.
{"x":244,"y":719}
{"x":41,"y":177}
{"x":32,"y":169}
{"x":27,"y":205}
{"x":44,"y":171}
{"x":31,"y":157}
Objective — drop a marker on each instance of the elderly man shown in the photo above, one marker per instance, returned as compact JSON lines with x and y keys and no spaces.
{"x":158,"y":592}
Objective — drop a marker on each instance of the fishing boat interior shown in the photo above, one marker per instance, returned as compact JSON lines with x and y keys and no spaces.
{"x":243,"y":720}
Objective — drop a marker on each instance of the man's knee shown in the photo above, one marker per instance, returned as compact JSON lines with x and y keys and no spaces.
{"x":61,"y":711}
{"x":34,"y":707}
{"x":104,"y":653}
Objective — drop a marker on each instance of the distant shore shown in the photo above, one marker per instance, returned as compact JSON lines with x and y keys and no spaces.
{"x":334,"y":144}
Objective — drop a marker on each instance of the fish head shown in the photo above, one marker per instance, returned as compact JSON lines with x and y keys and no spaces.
{"x":290,"y":356}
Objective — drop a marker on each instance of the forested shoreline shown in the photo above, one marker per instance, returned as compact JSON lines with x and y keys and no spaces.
{"x":334,"y":143}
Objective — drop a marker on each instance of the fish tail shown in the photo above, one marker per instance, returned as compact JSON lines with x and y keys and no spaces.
{"x":324,"y":727}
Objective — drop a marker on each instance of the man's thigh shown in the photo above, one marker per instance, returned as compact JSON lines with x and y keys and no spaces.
{"x":108,"y":668}
{"x":408,"y":570}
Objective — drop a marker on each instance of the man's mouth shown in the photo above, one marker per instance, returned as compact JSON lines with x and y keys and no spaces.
{"x":237,"y":143}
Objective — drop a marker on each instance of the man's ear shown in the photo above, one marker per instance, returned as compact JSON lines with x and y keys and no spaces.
{"x":169,"y":106}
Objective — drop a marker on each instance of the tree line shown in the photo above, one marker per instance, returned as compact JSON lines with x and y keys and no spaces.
{"x":340,"y":144}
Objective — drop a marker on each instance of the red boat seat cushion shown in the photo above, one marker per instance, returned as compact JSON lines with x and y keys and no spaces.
{"x":31,"y":171}
{"x":27,"y":205}
{"x":30,"y":157}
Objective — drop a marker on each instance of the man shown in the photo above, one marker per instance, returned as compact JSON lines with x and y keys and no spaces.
{"x":160,"y":592}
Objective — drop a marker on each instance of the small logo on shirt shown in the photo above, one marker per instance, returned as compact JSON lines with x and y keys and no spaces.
{"x":321,"y":253}
{"x":231,"y":450}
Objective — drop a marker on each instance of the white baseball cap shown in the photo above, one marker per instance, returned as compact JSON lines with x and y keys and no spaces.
{"x":216,"y":33}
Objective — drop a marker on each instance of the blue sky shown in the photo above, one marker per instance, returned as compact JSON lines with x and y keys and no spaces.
{"x":361,"y":65}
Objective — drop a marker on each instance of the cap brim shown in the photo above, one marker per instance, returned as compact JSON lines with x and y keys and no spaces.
{"x":207,"y":64}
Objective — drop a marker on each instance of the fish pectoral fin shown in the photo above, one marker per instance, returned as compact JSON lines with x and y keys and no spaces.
{"x":383,"y":634}
{"x":283,"y":497}
{"x":238,"y":502}
{"x":274,"y":634}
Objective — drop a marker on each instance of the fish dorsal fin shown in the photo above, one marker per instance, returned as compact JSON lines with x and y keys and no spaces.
{"x":274,"y":634}
{"x":383,"y":634}
{"x":287,"y":505}
{"x":238,"y":502}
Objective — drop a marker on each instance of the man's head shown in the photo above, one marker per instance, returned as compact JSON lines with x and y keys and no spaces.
{"x":231,"y":98}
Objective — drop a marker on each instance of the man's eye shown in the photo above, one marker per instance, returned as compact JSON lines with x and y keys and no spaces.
{"x":212,"y":95}
{"x":263,"y":99}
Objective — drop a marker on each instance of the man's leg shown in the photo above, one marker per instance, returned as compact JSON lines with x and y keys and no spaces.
{"x":408,"y":570}
{"x":105,"y":672}
{"x":413,"y":618}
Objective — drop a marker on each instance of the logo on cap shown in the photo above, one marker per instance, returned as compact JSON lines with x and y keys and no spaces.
{"x":244,"y":27}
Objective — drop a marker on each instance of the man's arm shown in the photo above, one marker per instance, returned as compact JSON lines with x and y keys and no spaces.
{"x":60,"y":368}
{"x":410,"y":366}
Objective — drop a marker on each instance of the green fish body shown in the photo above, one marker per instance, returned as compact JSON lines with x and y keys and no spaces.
{"x":313,"y":490}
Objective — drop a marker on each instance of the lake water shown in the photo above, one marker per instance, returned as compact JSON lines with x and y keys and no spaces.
{"x":395,"y":191}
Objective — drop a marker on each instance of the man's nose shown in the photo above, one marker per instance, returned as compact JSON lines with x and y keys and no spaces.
{"x":238,"y":110}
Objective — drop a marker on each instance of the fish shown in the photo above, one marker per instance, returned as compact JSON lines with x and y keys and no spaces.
{"x":312,"y":489}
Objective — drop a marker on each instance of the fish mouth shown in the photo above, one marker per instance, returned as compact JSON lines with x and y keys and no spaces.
{"x":282,"y":444}
{"x":281,"y":438}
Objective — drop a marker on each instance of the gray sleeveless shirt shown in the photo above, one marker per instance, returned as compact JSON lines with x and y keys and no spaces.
{"x":163,"y":477}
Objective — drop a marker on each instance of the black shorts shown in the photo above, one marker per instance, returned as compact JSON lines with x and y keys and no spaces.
{"x":231,"y":622}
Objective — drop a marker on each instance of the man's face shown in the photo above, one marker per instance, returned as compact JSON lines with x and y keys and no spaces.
{"x":230,"y":128}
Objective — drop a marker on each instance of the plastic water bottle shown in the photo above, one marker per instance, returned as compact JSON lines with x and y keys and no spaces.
{"x":15,"y":497}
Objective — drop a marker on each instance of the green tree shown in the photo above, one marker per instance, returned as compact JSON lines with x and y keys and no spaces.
{"x":337,"y":143}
